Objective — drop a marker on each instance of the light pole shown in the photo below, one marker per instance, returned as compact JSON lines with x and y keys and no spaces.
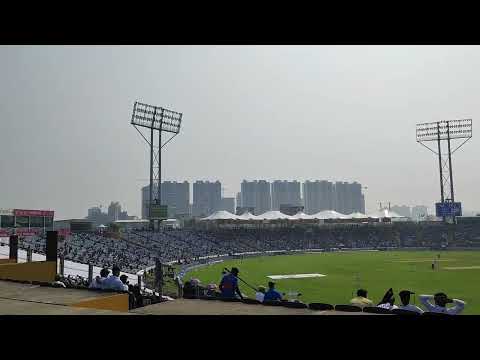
{"x":445,"y":130}
{"x":159,"y":119}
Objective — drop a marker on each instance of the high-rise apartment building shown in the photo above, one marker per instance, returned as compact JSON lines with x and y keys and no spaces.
{"x":340,"y":199}
{"x":114,"y":210}
{"x":94,"y":211}
{"x":318,"y":196}
{"x":256,"y":194}
{"x":206,"y":198}
{"x":285,"y":193}
{"x":348,"y":198}
{"x":239,"y":199}
{"x":97,"y":217}
{"x":176,"y":195}
{"x":356,"y":201}
{"x":228,"y":204}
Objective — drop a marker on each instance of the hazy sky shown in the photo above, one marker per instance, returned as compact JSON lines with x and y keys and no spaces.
{"x":250,"y":112}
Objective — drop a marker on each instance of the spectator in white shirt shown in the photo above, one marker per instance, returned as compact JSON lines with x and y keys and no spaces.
{"x":97,"y":283}
{"x":389,"y":304}
{"x":388,"y":301}
{"x":113,"y":282}
{"x":405,"y":299}
{"x":260,"y":294}
{"x":441,"y":301}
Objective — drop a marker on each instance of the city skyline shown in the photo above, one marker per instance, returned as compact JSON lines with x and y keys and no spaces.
{"x":342,"y":113}
{"x":259,"y":195}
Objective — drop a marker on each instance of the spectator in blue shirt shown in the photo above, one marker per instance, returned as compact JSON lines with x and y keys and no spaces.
{"x":113,"y":282}
{"x":272,"y":294}
{"x":229,"y":285}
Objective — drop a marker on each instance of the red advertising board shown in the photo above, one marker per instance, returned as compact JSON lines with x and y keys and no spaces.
{"x":4,"y":233}
{"x":20,"y":212}
{"x":27,"y":232}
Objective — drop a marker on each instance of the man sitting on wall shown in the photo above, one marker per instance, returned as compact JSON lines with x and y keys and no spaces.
{"x":405,"y":299}
{"x":229,"y":285}
{"x":113,"y":282}
{"x":361,"y":299}
{"x":97,"y":283}
{"x":272,"y":294}
{"x":441,"y":301}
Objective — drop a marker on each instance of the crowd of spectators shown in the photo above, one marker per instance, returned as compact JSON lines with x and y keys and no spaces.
{"x":137,"y":250}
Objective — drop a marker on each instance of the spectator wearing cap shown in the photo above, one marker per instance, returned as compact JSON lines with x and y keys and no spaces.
{"x":229,"y":285}
{"x":272,"y":294}
{"x":260,"y":294}
{"x":361,"y":299}
{"x":440,"y":306}
{"x":405,"y":299}
{"x":113,"y":282}
{"x":97,"y":283}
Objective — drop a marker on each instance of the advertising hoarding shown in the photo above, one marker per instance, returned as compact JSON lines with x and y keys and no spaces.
{"x":448,"y":209}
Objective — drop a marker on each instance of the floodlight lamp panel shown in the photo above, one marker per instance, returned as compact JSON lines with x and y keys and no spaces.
{"x":156,"y":118}
{"x":442,"y":130}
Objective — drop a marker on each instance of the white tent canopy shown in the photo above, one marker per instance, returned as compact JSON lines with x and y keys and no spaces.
{"x":248,"y":216}
{"x":302,"y":216}
{"x":357,"y":215}
{"x":329,"y":214}
{"x":322,"y":215}
{"x":275,"y":215}
{"x":221,"y":215}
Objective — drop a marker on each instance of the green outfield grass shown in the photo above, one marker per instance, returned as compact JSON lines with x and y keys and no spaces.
{"x":346,"y":271}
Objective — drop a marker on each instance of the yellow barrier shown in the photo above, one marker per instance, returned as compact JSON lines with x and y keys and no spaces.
{"x":117,"y":302}
{"x":43,"y":271}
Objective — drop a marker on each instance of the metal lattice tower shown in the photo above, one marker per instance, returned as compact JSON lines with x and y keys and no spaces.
{"x":156,"y":119}
{"x":445,"y":131}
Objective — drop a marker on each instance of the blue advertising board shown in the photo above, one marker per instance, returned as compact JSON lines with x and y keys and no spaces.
{"x":448,"y":209}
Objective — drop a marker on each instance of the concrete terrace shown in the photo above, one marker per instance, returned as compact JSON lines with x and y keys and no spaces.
{"x":27,"y":299}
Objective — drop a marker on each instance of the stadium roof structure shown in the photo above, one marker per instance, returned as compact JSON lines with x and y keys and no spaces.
{"x":302,"y":216}
{"x":357,"y":215}
{"x":248,"y":216}
{"x":329,"y":214}
{"x":221,"y":215}
{"x":275,"y":215}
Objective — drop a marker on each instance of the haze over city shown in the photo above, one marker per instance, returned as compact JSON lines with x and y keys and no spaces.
{"x":338,"y":113}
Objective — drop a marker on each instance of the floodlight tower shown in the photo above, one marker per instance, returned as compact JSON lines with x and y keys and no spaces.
{"x":446,"y":130}
{"x":159,"y":119}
